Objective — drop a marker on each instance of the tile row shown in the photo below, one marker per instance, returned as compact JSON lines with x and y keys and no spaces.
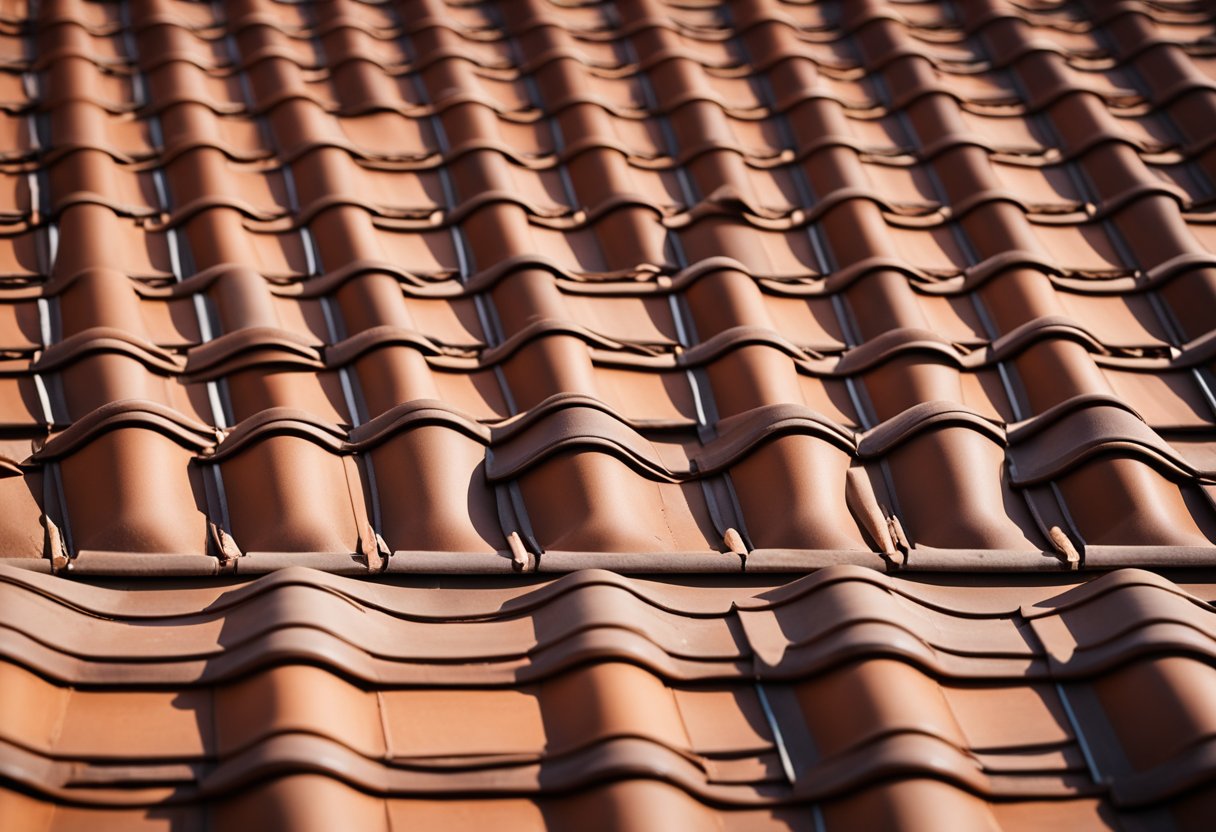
{"x":597,"y":34}
{"x":637,"y":365}
{"x":806,"y":249}
{"x":840,"y":699}
{"x":571,"y":100}
{"x":137,"y":486}
{"x":418,"y":142}
{"x":777,"y":197}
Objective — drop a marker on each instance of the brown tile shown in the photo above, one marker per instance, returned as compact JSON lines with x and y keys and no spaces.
{"x":875,"y":737}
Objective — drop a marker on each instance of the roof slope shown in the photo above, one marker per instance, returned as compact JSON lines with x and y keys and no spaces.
{"x":420,"y":288}
{"x":672,"y":287}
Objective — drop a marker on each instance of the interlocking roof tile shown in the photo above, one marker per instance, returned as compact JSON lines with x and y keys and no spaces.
{"x":861,"y":307}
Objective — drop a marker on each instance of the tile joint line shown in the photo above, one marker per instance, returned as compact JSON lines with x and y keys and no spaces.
{"x":787,"y":765}
{"x":1086,"y":752}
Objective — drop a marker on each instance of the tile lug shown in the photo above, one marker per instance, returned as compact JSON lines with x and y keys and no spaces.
{"x":1065,"y":548}
{"x":521,"y":559}
{"x":374,"y":550}
{"x":56,"y":549}
{"x":734,"y":542}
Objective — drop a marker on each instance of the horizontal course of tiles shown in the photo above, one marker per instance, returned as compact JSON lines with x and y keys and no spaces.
{"x":431,"y":286}
{"x":842,"y":700}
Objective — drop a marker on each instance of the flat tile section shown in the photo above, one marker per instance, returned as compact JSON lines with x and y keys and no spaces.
{"x":433,"y":286}
{"x":843,"y":700}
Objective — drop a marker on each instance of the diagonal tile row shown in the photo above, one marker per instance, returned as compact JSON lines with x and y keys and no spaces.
{"x":633,"y":285}
{"x":840,"y":700}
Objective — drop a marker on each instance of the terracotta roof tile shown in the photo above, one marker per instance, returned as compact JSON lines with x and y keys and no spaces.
{"x":879,"y":301}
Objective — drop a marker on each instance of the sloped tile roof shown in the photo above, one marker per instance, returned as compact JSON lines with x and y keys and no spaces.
{"x":768,"y":298}
{"x":673,"y":287}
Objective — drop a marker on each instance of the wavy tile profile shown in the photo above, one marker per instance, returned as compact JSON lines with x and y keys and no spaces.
{"x":729,"y":703}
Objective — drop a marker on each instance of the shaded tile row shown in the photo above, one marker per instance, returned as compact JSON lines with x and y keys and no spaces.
{"x":838,"y":700}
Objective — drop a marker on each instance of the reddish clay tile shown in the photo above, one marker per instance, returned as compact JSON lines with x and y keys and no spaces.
{"x":831,"y":289}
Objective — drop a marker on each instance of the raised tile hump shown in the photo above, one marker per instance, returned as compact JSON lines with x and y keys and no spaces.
{"x":637,"y":414}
